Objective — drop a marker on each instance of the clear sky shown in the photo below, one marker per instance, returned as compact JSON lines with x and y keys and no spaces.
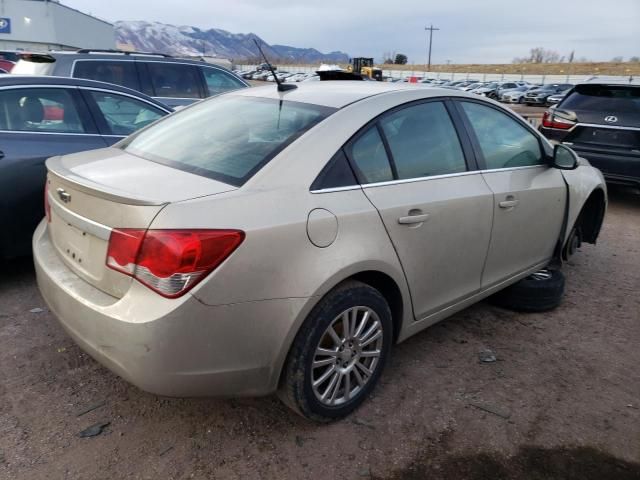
{"x":471,"y":31}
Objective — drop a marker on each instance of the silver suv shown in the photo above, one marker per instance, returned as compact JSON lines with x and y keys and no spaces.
{"x":173,"y":81}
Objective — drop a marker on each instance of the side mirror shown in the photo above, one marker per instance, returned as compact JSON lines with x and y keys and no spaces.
{"x":564,"y":158}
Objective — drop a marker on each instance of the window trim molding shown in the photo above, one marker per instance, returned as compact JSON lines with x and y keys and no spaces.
{"x":467,"y":150}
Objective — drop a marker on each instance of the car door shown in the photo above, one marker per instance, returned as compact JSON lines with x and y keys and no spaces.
{"x":118,"y":115}
{"x":437,"y":210}
{"x":529,"y":195}
{"x":35,"y":123}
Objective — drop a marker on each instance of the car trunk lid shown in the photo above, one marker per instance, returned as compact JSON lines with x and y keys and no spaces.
{"x":92,"y":193}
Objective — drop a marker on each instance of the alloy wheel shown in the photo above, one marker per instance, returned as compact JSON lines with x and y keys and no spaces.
{"x":347,"y":356}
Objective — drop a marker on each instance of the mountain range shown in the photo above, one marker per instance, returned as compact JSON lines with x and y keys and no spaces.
{"x":192,"y":41}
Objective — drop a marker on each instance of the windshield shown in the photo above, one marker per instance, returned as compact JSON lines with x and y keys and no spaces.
{"x":604,"y":98}
{"x":228,"y":138}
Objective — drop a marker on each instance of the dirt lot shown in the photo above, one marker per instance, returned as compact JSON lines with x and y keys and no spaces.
{"x":562,"y":401}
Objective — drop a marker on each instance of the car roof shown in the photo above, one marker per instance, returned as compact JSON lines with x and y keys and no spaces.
{"x":7,"y":80}
{"x":338,"y":94}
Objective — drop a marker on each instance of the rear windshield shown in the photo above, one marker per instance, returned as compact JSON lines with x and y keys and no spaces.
{"x":604,"y":98}
{"x":227,"y":138}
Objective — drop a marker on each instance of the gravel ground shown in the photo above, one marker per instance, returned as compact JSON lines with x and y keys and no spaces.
{"x":562,"y":401}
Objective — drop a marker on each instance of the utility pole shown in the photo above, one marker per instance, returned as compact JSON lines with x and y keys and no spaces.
{"x":431,"y":28}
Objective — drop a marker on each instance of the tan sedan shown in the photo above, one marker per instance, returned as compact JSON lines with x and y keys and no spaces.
{"x":266,"y":241}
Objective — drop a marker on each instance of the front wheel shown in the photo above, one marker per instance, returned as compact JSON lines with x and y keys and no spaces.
{"x":338,"y":354}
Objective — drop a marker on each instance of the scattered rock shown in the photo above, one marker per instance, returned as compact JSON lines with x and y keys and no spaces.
{"x":2,"y":459}
{"x":94,"y":430}
{"x":487,"y":356}
{"x":299,"y":440}
{"x":62,"y":349}
{"x":365,"y":472}
{"x":36,"y":310}
{"x":90,"y":408}
{"x":500,"y":412}
{"x":362,"y":423}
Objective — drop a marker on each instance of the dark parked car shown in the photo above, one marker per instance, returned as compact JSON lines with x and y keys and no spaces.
{"x":48,"y":116}
{"x":173,"y":81}
{"x":601,"y":122}
{"x":538,"y":96}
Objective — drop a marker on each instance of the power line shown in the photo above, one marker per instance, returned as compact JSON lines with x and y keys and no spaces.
{"x":430,"y":28}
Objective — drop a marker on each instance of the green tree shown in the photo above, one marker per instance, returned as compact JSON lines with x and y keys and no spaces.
{"x":401,"y":59}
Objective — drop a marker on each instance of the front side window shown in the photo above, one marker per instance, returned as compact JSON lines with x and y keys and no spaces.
{"x":116,"y":72}
{"x":228,"y":138}
{"x":174,"y":80}
{"x":503,"y":141}
{"x":219,"y":82}
{"x":39,"y":110}
{"x":125,"y":115}
{"x":423,"y":141}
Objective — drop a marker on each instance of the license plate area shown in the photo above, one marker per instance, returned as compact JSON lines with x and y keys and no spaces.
{"x":609,"y":136}
{"x":74,"y":243}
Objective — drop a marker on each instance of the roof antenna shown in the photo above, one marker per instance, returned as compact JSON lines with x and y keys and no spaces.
{"x":282,"y":87}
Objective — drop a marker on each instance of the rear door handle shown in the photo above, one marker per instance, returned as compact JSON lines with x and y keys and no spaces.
{"x":1,"y":154}
{"x":509,"y":202}
{"x":413,"y":219}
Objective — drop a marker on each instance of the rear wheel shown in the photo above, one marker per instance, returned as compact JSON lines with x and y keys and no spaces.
{"x":539,"y":292}
{"x":338,"y":354}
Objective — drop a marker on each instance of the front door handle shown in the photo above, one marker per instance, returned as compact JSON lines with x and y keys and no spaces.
{"x":413,"y":219}
{"x":1,"y":154}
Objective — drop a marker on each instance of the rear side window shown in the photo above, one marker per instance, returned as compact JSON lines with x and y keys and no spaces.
{"x":174,"y":80}
{"x":602,"y":98}
{"x":124,"y":115}
{"x":116,"y":72}
{"x":219,"y":81}
{"x":423,"y":141}
{"x":370,"y":157}
{"x":46,"y":110}
{"x":227,"y":138}
{"x":503,"y":141}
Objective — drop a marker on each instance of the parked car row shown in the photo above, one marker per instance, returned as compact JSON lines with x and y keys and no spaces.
{"x":265,"y":74}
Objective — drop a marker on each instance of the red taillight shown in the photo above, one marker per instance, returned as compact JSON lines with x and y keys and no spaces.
{"x":47,"y":206}
{"x":170,"y":262}
{"x":551,"y":120}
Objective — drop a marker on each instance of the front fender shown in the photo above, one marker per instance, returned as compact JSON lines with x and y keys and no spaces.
{"x":582,"y":182}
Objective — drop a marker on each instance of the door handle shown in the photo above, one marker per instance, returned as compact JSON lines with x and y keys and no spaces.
{"x":509,"y":202}
{"x":1,"y":154}
{"x":413,"y":219}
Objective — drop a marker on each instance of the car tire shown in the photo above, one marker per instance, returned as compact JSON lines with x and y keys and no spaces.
{"x":302,"y":387}
{"x":539,"y":292}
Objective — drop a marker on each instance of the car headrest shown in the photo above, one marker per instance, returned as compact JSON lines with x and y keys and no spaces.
{"x":32,"y":110}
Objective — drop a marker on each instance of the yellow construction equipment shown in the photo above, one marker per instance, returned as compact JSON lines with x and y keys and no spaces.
{"x":364,"y":66}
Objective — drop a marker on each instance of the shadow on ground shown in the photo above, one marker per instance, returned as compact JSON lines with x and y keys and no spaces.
{"x":530,"y":463}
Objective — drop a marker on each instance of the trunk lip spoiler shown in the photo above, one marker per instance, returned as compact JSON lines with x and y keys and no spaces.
{"x":55,"y":167}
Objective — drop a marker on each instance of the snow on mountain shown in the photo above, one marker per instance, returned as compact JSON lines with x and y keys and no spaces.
{"x":192,"y":41}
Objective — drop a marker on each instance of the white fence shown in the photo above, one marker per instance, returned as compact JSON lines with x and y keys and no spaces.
{"x":481,"y":77}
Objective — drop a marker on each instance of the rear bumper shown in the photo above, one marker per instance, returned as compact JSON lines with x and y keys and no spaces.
{"x":535,"y":101}
{"x":168,"y":347}
{"x":616,"y":168}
